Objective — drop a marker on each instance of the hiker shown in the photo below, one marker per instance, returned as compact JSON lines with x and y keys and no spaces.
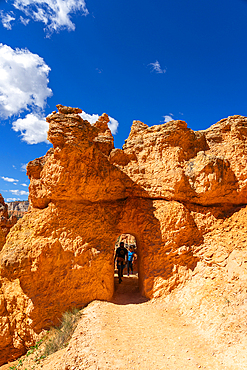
{"x":121,"y":257}
{"x":131,"y":257}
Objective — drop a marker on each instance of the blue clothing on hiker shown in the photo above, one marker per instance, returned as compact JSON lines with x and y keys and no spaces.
{"x":130,"y":256}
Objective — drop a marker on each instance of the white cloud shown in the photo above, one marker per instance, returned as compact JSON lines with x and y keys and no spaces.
{"x":23,"y":184}
{"x":23,"y":86}
{"x":23,"y":81}
{"x":55,"y":14}
{"x":12,"y":199}
{"x":9,"y":179}
{"x":168,"y":118}
{"x":33,"y":128}
{"x":156,"y":67}
{"x":19,"y":192}
{"x":23,"y":167}
{"x":24,"y":21}
{"x":6,"y":19}
{"x":113,"y":125}
{"x":92,"y":118}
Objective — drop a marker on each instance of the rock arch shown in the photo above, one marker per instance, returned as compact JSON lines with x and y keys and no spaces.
{"x":169,"y":187}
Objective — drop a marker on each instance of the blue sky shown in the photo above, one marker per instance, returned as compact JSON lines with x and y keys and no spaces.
{"x":134,"y":60}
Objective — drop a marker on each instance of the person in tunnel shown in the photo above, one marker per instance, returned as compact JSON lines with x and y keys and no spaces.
{"x":131,"y":257}
{"x":121,"y":257}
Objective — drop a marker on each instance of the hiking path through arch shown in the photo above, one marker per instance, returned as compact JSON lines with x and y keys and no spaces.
{"x":132,"y":333}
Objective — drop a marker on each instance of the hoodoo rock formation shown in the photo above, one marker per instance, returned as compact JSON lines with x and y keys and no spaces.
{"x":5,"y":222}
{"x":181,"y":194}
{"x":18,"y":208}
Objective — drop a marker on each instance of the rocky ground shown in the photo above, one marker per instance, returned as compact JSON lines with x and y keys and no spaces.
{"x":132,"y":333}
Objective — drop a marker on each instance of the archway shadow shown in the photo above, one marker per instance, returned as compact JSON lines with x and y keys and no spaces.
{"x":128,"y":291}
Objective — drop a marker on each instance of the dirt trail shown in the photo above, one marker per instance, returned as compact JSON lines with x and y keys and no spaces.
{"x":131,"y":333}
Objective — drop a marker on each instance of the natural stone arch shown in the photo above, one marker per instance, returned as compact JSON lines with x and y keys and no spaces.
{"x":137,"y":217}
{"x":168,"y":186}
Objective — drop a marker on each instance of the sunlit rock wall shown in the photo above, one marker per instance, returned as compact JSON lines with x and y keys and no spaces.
{"x":5,"y":222}
{"x":172,"y":188}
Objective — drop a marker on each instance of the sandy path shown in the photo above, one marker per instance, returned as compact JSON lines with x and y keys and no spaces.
{"x":131,"y":333}
{"x":134,"y":334}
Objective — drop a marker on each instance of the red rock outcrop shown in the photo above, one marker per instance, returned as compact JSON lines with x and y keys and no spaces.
{"x":5,"y":222}
{"x":175,"y":190}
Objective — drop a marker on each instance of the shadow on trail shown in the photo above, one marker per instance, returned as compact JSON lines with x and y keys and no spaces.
{"x":128,"y":291}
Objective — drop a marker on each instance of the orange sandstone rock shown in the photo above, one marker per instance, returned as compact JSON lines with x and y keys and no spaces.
{"x":5,"y":222}
{"x":175,"y":190}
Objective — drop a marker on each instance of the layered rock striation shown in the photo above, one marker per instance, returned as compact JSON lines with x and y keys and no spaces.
{"x":18,"y":208}
{"x":180,"y":193}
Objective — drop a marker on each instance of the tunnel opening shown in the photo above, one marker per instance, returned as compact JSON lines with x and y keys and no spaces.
{"x":126,"y":286}
{"x":130,"y":245}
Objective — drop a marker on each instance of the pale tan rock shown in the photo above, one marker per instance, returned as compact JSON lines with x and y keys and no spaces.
{"x":178,"y":192}
{"x":67,"y":110}
{"x":18,"y":208}
{"x":215,"y":297}
{"x":227,"y":139}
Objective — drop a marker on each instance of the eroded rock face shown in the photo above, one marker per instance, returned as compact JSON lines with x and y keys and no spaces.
{"x":18,"y":208}
{"x":173,"y":189}
{"x":5,"y":222}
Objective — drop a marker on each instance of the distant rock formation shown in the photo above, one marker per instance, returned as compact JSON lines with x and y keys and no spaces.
{"x":5,"y":222}
{"x":181,"y":194}
{"x":18,"y":208}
